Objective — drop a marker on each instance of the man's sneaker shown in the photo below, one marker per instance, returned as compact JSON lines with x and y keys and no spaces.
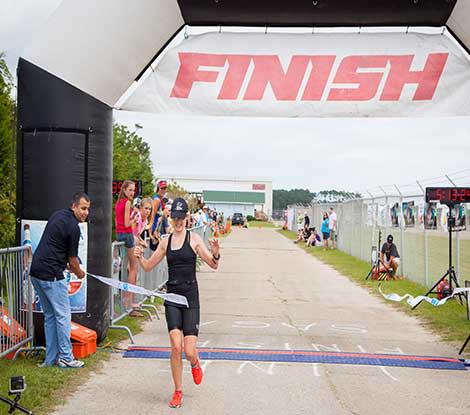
{"x":71,"y":364}
{"x":44,"y":364}
{"x":197,"y":373}
{"x":176,"y":400}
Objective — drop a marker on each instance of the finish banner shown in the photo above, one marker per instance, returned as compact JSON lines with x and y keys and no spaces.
{"x":413,"y":301}
{"x":308,"y":75}
{"x":131,"y":288}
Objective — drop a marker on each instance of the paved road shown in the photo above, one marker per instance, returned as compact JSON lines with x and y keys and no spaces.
{"x":268,"y":293}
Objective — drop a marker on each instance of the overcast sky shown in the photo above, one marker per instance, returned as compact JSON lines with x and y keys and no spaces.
{"x":350,"y":154}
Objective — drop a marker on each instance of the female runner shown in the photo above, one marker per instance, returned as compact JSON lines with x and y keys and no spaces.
{"x":181,"y":249}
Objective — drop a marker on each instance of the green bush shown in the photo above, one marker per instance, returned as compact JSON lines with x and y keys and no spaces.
{"x":250,"y":218}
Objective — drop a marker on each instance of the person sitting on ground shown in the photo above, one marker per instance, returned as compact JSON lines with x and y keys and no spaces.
{"x":303,"y":234}
{"x":389,"y":256}
{"x":314,"y":238}
{"x":325,"y":230}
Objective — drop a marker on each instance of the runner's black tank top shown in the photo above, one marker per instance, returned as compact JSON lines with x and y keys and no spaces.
{"x":182,"y":272}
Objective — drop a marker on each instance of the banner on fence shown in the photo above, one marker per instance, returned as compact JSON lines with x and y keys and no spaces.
{"x":430,"y":215}
{"x":77,"y":288}
{"x":409,"y":213}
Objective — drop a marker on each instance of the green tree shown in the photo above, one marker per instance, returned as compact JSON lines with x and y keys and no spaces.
{"x":174,"y":190}
{"x":282,"y":198}
{"x":7,"y":195}
{"x":335,"y":196}
{"x":131,"y":158}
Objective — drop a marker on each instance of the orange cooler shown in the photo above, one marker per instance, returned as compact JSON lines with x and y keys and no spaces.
{"x":83,"y":341}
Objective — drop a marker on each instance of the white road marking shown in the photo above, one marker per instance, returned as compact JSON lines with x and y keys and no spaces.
{"x":206,"y":323}
{"x":320,"y":347}
{"x":349,"y":328}
{"x":388,"y":373}
{"x":394,"y":350}
{"x":250,"y":325}
{"x":204,"y":364}
{"x":306,"y":328}
{"x":249,"y":345}
{"x":268,"y":371}
{"x":316,"y":372}
{"x":382,"y":368}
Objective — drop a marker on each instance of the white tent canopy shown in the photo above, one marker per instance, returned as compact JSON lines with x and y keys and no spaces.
{"x":102,"y":46}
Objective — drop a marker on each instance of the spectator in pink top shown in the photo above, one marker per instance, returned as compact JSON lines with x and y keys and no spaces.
{"x":143,"y":208}
{"x":124,"y":233}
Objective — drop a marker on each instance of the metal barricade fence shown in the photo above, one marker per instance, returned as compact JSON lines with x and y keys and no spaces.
{"x":16,"y":302}
{"x":121,"y":303}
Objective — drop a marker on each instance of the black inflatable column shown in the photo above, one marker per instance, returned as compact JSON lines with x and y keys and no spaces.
{"x":65,"y":146}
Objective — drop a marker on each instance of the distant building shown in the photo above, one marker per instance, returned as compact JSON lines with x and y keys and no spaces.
{"x":229,"y":194}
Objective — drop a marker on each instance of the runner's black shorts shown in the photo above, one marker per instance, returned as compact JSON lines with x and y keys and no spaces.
{"x":184,"y":319}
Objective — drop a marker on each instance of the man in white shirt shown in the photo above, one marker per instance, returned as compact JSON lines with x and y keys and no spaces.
{"x":333,"y":226}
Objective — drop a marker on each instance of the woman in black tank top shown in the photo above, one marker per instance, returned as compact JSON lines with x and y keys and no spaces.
{"x":181,"y":250}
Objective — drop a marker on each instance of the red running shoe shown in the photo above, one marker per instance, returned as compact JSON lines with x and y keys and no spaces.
{"x":176,"y":400}
{"x":197,"y":373}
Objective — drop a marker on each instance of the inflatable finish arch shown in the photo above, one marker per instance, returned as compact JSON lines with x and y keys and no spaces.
{"x":89,"y":53}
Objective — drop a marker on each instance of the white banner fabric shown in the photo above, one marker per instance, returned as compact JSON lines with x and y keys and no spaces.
{"x":131,"y":288}
{"x":413,"y":301}
{"x":309,"y":75}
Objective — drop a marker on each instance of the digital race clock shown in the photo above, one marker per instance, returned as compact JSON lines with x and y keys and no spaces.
{"x":448,"y":195}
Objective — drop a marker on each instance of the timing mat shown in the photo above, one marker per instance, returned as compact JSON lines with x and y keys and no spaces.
{"x":304,"y":356}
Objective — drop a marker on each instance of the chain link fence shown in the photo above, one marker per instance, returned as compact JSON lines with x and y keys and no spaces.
{"x":400,"y":211}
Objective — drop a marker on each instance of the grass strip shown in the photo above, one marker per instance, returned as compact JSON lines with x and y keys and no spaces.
{"x":49,"y":387}
{"x":449,"y":321}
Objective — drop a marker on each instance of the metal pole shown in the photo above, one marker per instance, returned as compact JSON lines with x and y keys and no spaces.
{"x":402,"y":231}
{"x":450,"y":180}
{"x":426,"y":265}
{"x":386,"y":205}
{"x":360,"y":228}
{"x":457,"y":242}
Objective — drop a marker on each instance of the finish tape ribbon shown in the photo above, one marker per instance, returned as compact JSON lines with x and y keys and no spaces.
{"x":413,"y":301}
{"x":131,"y":288}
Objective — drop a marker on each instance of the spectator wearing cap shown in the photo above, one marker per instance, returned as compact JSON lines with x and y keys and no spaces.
{"x":389,"y":255}
{"x":157,"y":206}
